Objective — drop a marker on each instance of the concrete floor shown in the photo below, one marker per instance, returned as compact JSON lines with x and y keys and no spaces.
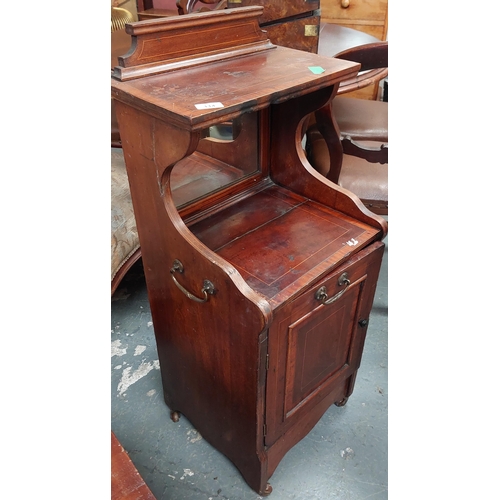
{"x":343,"y":457}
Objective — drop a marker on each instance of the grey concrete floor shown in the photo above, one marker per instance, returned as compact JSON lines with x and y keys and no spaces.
{"x":344,"y":457}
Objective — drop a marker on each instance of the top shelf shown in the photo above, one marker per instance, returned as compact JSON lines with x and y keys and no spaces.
{"x":229,"y":68}
{"x":236,"y":86}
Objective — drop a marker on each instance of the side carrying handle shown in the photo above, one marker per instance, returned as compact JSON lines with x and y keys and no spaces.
{"x":207,"y":289}
{"x":322,"y":295}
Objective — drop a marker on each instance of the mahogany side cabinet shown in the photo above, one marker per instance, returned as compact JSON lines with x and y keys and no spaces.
{"x":260,"y":272}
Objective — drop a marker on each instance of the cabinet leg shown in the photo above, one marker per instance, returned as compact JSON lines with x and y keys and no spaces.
{"x":267,"y":490}
{"x":349,"y":389}
{"x":342,"y":402}
{"x":175,"y":416}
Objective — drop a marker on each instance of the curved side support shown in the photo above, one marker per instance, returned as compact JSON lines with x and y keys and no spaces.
{"x":169,"y":142}
{"x":151,"y":149}
{"x":199,"y":383}
{"x":290,"y":167}
{"x":330,"y":131}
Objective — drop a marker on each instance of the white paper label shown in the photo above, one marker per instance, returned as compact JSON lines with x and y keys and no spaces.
{"x":209,"y":105}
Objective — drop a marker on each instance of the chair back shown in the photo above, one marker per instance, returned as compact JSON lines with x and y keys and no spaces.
{"x":370,"y":56}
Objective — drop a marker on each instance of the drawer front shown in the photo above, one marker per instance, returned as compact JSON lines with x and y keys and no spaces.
{"x":316,"y":342}
{"x":354,"y":10}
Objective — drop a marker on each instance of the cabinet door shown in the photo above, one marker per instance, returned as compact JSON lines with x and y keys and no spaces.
{"x":315,"y":348}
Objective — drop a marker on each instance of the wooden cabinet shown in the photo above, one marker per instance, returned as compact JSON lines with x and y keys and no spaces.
{"x":260,"y":272}
{"x":291,"y":23}
{"x":369,"y":16}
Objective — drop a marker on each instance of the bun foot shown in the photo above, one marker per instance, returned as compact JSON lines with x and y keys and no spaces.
{"x":175,"y":416}
{"x":267,"y":491}
{"x":342,"y":402}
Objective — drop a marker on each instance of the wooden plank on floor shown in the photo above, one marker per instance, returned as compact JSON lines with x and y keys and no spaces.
{"x":126,"y":482}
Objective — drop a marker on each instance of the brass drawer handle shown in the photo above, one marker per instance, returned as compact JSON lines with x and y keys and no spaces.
{"x":322,"y":295}
{"x":208,"y":286}
{"x":345,"y":3}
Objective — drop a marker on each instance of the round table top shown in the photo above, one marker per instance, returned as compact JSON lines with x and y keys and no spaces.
{"x":333,"y":39}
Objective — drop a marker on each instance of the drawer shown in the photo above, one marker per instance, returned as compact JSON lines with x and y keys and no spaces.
{"x":368,"y":16}
{"x":354,"y":10}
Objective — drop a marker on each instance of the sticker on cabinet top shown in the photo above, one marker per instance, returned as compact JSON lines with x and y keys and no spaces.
{"x":209,"y":105}
{"x":317,"y":70}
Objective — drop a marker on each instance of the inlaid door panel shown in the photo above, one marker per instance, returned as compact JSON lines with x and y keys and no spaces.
{"x":316,"y":342}
{"x":318,"y":347}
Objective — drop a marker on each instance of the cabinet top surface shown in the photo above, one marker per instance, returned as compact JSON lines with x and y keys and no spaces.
{"x":199,"y":94}
{"x":196,"y":69}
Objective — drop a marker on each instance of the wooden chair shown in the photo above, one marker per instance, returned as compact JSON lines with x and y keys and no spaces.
{"x":188,"y":6}
{"x":358,"y":129}
{"x":362,"y":119}
{"x":366,"y":179}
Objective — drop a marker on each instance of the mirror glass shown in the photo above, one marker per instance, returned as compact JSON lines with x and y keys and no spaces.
{"x":226,"y":154}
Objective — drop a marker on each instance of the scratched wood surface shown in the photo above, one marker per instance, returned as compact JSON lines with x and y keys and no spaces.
{"x":276,"y":238}
{"x":239,"y":85}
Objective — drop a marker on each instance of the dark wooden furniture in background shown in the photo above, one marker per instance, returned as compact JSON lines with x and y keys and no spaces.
{"x":290,"y":23}
{"x":260,"y":272}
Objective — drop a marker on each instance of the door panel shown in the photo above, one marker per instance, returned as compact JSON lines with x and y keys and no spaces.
{"x":315,"y":348}
{"x":318,"y":347}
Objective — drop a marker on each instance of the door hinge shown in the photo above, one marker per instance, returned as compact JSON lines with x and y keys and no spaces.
{"x":267,"y":361}
{"x":265,"y":430}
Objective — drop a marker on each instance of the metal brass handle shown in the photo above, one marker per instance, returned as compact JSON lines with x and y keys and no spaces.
{"x":345,"y":3}
{"x":322,"y":295}
{"x":208,"y":286}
